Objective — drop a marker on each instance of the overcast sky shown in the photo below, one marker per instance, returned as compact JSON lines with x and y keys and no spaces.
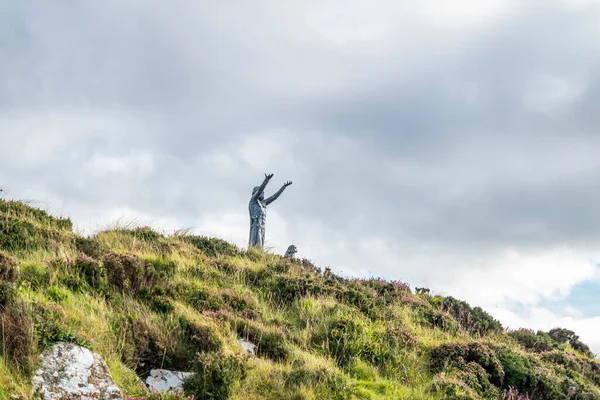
{"x":452,"y":145}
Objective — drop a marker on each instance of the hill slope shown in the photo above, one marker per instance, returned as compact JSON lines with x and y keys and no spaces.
{"x":143,"y":300}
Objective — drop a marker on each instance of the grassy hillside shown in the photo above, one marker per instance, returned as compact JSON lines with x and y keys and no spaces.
{"x":143,"y":300}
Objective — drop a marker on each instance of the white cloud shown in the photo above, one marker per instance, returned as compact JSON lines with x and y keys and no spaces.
{"x":540,"y":318}
{"x":137,"y":163}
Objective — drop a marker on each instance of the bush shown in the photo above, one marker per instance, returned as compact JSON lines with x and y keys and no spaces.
{"x":326,"y":382}
{"x":538,"y":342}
{"x":18,"y":344}
{"x":269,"y":341}
{"x":452,"y":388}
{"x":458,"y":355}
{"x":201,"y":337}
{"x":161,"y":305}
{"x":8,"y":294}
{"x":91,"y":247}
{"x":129,"y":274}
{"x":144,"y":233}
{"x":387,"y":290}
{"x":17,"y":234}
{"x":91,"y":270}
{"x":433,"y":318}
{"x":150,"y":346}
{"x":8,"y":268}
{"x":50,"y":328}
{"x":473,"y":320}
{"x":526,"y":373}
{"x":562,"y":335}
{"x":342,"y":338}
{"x":202,"y":299}
{"x":215,"y":376}
{"x":35,"y":276}
{"x":57,"y":294}
{"x":212,"y":247}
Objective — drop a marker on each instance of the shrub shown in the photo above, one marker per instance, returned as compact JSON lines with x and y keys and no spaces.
{"x":387,"y":290}
{"x":477,"y":378}
{"x":144,"y":233}
{"x":21,"y":210}
{"x":161,"y":305}
{"x":538,"y":342}
{"x":91,"y":270}
{"x":526,"y":373}
{"x":562,"y":335}
{"x":35,"y":275}
{"x":269,"y":341}
{"x":202,"y":299}
{"x":129,"y":274}
{"x":150,"y":345}
{"x":8,"y":294}
{"x":326,"y":382}
{"x":212,"y":247}
{"x":8,"y":268}
{"x":18,"y":234}
{"x":18,"y":344}
{"x":473,"y":320}
{"x":400,"y":338}
{"x":342,"y":338}
{"x":238,"y":302}
{"x":50,"y":328}
{"x":91,"y":247}
{"x":452,"y":388}
{"x":201,"y":337}
{"x":215,"y":376}
{"x":454,"y":354}
{"x":430,"y":317}
{"x":57,"y":294}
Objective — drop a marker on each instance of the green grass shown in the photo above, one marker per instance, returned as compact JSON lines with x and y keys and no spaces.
{"x":144,"y":300}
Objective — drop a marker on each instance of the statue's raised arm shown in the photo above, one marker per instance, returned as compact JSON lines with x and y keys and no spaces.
{"x":261,"y":188}
{"x":278,"y":193}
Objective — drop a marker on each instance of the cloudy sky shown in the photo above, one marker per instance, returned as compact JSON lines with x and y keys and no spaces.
{"x":452,"y":145}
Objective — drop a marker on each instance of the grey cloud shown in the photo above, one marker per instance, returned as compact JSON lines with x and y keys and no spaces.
{"x":439,"y":149}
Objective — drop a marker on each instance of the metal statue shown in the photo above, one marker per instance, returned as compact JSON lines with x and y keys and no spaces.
{"x":258,"y":211}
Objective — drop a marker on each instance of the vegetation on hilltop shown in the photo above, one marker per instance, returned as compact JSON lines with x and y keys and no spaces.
{"x":144,"y":300}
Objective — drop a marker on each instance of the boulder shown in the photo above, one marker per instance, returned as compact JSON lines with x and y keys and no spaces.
{"x":68,"y":371}
{"x":162,"y":380}
{"x":248,"y":347}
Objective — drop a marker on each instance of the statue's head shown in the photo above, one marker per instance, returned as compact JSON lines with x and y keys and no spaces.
{"x":262,"y":195}
{"x":291,"y":251}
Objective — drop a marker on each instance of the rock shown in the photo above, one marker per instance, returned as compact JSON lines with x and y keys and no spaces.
{"x":247,"y":346}
{"x":162,"y":380}
{"x":291,"y":252}
{"x":68,"y":371}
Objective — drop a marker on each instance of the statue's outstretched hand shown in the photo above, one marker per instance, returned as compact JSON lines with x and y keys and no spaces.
{"x":288,"y":183}
{"x":268,"y":176}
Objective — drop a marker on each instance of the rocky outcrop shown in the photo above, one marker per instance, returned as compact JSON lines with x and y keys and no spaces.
{"x":68,"y":371}
{"x":162,"y":380}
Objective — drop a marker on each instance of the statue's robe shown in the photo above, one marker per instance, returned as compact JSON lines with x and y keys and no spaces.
{"x":258,"y":219}
{"x":258,"y":214}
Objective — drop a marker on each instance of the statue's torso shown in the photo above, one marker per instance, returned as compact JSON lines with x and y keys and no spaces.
{"x":258,"y":213}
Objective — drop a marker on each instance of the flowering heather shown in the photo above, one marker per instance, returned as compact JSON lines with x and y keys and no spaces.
{"x":219,"y":314}
{"x":513,"y":394}
{"x":412,"y":300}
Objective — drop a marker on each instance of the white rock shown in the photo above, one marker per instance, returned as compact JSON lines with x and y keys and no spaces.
{"x":247,"y":346}
{"x":162,"y":380}
{"x":68,"y":371}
